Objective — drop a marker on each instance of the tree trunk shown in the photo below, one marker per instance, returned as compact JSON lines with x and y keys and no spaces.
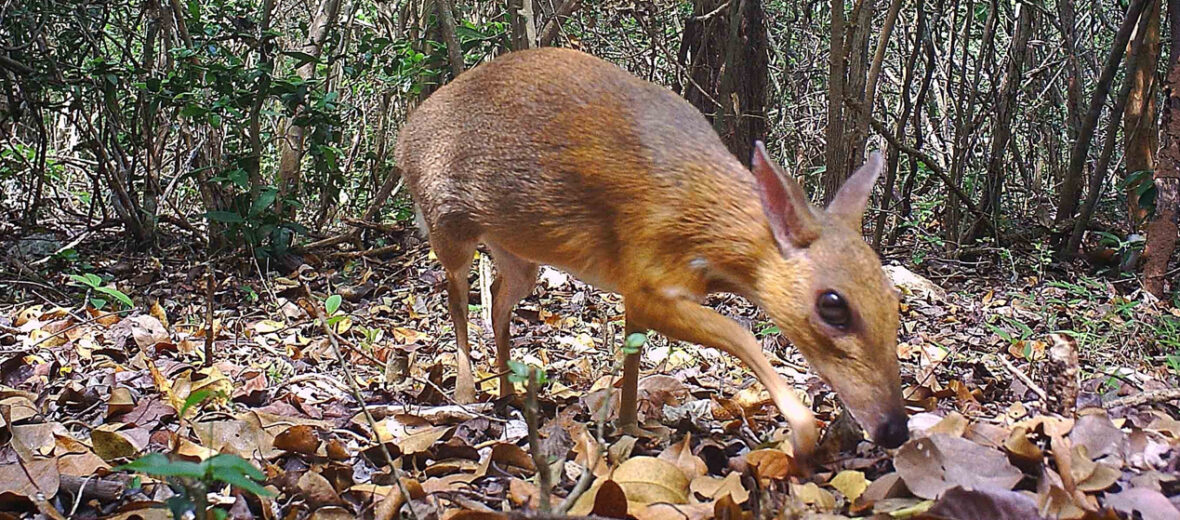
{"x":446,"y":23}
{"x":292,"y":134}
{"x":893,"y":156}
{"x":835,"y":155}
{"x":1162,"y":231}
{"x":727,"y":55}
{"x":1140,"y":128}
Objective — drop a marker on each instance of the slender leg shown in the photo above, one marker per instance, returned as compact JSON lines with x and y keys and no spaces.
{"x":628,"y":408}
{"x":687,"y":320}
{"x":456,"y":259}
{"x":515,"y":278}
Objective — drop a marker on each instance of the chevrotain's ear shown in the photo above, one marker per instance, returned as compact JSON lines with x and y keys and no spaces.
{"x":849,"y":203}
{"x":783,"y":202}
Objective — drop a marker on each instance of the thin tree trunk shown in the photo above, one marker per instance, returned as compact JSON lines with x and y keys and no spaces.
{"x":965,"y":117}
{"x":836,"y":156}
{"x":727,"y":64}
{"x":1162,"y":231}
{"x":1094,"y":190}
{"x":446,"y":20}
{"x":1140,"y":128}
{"x":292,"y":135}
{"x":893,"y":156}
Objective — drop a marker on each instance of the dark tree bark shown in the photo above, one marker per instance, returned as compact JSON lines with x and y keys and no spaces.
{"x":446,"y":23}
{"x":726,"y":54}
{"x":847,"y":69}
{"x":292,"y":136}
{"x":1162,"y":231}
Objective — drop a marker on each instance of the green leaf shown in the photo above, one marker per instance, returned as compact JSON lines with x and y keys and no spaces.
{"x":194,"y":399}
{"x":634,"y":342}
{"x":265,"y":198}
{"x":98,"y":303}
{"x":237,"y":479}
{"x":301,"y":58}
{"x":83,"y":280}
{"x":116,"y":294}
{"x":1000,"y":332}
{"x":332,"y":304}
{"x":229,"y":461}
{"x":158,"y":465}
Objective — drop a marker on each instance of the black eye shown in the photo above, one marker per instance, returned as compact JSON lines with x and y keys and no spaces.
{"x":833,"y":309}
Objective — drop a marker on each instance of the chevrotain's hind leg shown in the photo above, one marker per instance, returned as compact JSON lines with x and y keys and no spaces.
{"x":456,"y":259}
{"x":515,"y":278}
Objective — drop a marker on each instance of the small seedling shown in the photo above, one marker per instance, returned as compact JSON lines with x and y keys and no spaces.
{"x":634,"y":342}
{"x":93,"y":282}
{"x":192,"y":481}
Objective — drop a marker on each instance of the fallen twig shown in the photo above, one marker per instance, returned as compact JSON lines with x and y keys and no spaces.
{"x":1024,"y":378}
{"x":1141,"y":398}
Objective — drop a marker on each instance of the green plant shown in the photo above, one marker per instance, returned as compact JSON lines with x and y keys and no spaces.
{"x":1026,"y":333}
{"x":331,"y":305}
{"x":94,"y":283}
{"x":192,"y":481}
{"x":520,"y":373}
{"x":634,"y":342}
{"x":767,"y":329}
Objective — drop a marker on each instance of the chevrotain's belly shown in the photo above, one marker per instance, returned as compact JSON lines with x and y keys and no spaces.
{"x":584,"y":253}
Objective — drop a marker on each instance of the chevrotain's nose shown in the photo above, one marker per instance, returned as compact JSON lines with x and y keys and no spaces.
{"x":894,"y":431}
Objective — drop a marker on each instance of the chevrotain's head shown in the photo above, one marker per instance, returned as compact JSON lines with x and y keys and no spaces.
{"x":827,"y":292}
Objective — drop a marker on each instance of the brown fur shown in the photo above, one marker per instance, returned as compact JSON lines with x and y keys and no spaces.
{"x":555,"y":157}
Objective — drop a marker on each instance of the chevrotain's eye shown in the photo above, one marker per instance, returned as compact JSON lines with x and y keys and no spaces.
{"x":834,"y":309}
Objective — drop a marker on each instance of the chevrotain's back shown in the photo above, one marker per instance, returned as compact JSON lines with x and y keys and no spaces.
{"x":566,"y":160}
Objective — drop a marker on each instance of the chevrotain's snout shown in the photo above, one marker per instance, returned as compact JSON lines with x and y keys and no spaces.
{"x":894,"y":431}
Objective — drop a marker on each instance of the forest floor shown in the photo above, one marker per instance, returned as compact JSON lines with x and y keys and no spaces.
{"x":987,"y":374}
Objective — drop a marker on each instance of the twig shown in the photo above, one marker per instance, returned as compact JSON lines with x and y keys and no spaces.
{"x":360,"y":399}
{"x":1024,"y":378}
{"x":1149,"y":397}
{"x":209,"y":290}
{"x":530,"y":416}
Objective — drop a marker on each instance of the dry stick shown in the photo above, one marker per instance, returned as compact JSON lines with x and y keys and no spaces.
{"x":390,"y":188}
{"x":587,"y":476}
{"x":1152,"y":397}
{"x":360,"y":399}
{"x":553,"y":26}
{"x":530,"y":416}
{"x":209,"y":285}
{"x":1032,"y":385}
